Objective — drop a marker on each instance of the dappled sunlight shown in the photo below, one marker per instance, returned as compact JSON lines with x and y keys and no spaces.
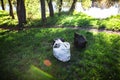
{"x":68,"y":18}
{"x":6,"y":20}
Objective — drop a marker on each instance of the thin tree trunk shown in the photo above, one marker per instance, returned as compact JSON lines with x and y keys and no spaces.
{"x":2,"y":5}
{"x":21,"y":13}
{"x":118,"y":8}
{"x":50,"y":8}
{"x":73,"y":6}
{"x":43,"y":13}
{"x":11,"y":9}
{"x":93,"y":2}
{"x":60,"y":5}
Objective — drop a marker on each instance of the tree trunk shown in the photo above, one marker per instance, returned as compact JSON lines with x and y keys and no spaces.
{"x":2,"y":5}
{"x":118,"y":8}
{"x":11,"y":9}
{"x":43,"y":13}
{"x":50,"y":8}
{"x":73,"y":6}
{"x":93,"y":3}
{"x":60,"y":5}
{"x":21,"y":13}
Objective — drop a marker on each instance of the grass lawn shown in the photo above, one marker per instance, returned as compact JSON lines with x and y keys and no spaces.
{"x":22,"y":56}
{"x":66,"y":20}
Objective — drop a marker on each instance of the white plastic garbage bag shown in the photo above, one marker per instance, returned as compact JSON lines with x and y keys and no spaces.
{"x":61,"y":50}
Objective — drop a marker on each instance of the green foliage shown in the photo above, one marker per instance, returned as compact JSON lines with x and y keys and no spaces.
{"x":100,"y":60}
{"x":5,"y":2}
{"x":32,"y":9}
{"x":86,"y":4}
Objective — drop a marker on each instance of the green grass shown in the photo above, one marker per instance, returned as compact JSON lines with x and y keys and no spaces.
{"x":80,"y":20}
{"x":22,"y":56}
{"x":65,"y":20}
{"x":111,"y":23}
{"x":85,"y":21}
{"x":6,"y":20}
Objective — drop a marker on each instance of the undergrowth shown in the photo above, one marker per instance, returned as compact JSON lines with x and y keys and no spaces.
{"x":65,"y":19}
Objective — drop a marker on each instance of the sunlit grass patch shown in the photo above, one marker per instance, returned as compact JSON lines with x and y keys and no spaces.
{"x":6,"y":20}
{"x":112,"y":23}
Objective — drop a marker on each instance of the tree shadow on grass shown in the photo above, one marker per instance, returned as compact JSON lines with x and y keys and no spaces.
{"x":20,"y":50}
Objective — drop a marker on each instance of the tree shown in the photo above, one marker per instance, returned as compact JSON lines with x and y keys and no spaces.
{"x":105,"y":3}
{"x":21,"y":13}
{"x":73,"y":6}
{"x":119,"y":6}
{"x":60,"y":5}
{"x":93,"y":3}
{"x":2,"y":5}
{"x":43,"y":12}
{"x":50,"y":8}
{"x":11,"y":9}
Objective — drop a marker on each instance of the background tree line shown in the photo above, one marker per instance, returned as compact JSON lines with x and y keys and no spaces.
{"x":26,"y":8}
